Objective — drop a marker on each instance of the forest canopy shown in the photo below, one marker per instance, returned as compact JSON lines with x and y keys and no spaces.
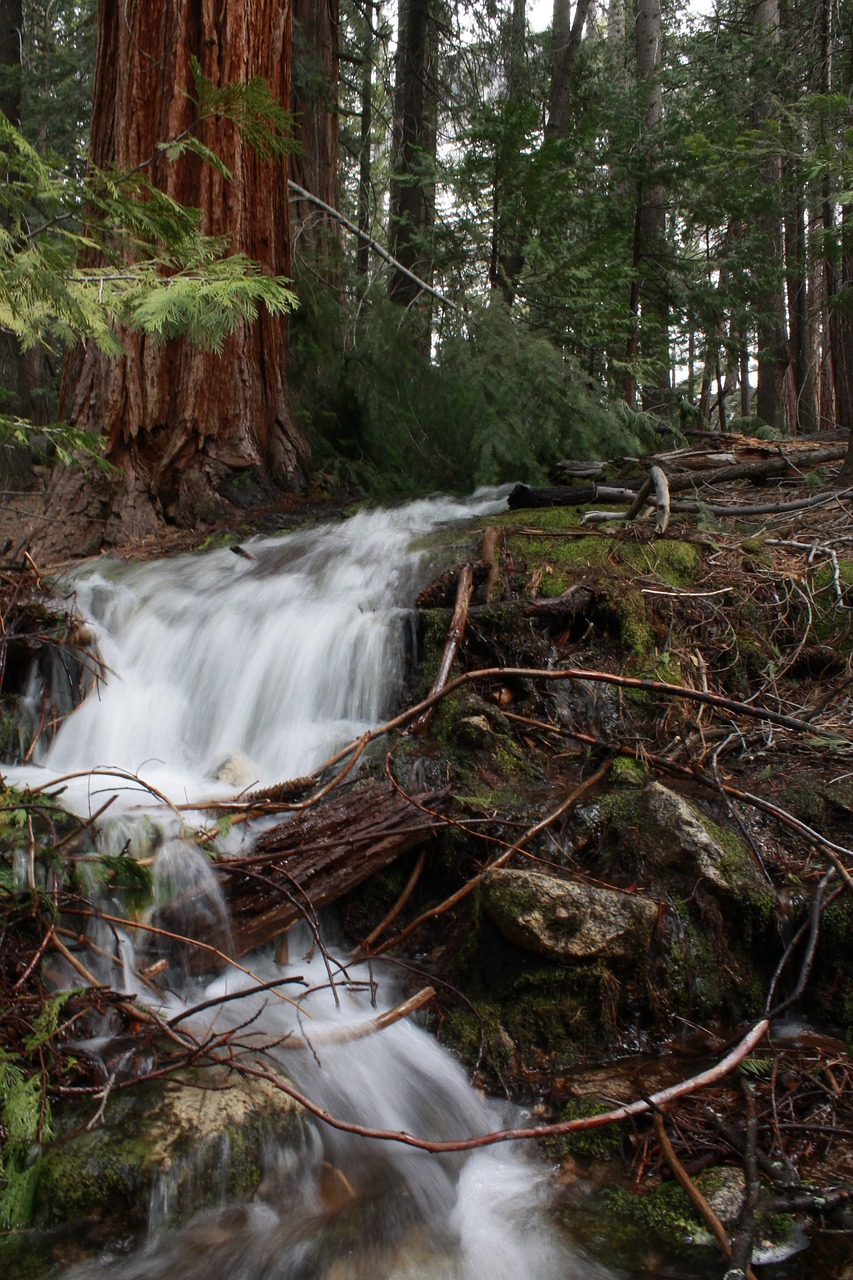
{"x":508,"y":246}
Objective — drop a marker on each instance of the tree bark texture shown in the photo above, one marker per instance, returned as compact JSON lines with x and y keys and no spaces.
{"x":412,"y":195}
{"x":320,"y":855}
{"x":314,"y":93}
{"x":177,"y":418}
{"x":773,"y":355}
{"x":567,"y":36}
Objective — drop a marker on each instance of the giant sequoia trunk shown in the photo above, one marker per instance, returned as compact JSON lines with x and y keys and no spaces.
{"x":176,"y":419}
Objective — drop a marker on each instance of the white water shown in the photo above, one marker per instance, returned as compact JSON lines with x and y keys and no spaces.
{"x":275,"y":663}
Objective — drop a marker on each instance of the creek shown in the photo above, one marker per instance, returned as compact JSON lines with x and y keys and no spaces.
{"x":223,"y":672}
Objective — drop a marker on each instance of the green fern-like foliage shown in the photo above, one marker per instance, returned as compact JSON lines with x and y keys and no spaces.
{"x":22,"y":1106}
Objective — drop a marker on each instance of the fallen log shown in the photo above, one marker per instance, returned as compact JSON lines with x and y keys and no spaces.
{"x":785,"y":458}
{"x":299,"y":866}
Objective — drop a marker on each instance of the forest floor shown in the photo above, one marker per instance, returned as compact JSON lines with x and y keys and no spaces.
{"x":711,"y":660}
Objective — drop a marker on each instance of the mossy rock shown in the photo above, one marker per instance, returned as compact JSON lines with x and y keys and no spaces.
{"x":201,"y":1145}
{"x":565,"y":919}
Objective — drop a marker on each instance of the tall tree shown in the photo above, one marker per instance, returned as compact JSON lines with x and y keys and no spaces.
{"x":178,"y":419}
{"x":413,"y":148}
{"x":314,"y":163}
{"x":772,"y":327}
{"x":648,"y":303}
{"x":566,"y":37}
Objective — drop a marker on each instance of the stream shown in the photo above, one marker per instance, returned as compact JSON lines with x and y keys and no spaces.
{"x":222,"y":673}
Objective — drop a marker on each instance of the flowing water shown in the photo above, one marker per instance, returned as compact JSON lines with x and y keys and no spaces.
{"x":222,"y":673}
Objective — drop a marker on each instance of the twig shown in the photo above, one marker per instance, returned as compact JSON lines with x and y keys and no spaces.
{"x":398,"y":905}
{"x":693,"y":1193}
{"x":374,"y":245}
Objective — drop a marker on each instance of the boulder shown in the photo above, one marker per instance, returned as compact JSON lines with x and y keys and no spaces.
{"x":567,"y":920}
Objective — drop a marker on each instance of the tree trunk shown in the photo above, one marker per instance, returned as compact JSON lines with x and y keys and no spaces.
{"x":506,"y":261}
{"x":649,"y":311}
{"x":314,"y":165}
{"x":412,"y":195}
{"x":567,"y":42}
{"x":365,"y":148}
{"x":771,"y":321}
{"x":805,"y":413}
{"x":841,"y":340}
{"x":177,"y":419}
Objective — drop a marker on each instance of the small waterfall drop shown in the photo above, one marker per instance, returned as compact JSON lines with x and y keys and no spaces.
{"x":222,"y":673}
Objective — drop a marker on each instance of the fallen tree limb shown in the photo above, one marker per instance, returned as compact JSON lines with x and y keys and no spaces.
{"x":693,"y":1193}
{"x":455,"y":633}
{"x":661,"y":485}
{"x":624,"y":1112}
{"x":319,"y":856}
{"x":373,"y":244}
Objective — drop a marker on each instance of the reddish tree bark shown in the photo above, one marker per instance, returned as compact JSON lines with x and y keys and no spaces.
{"x":176,"y":418}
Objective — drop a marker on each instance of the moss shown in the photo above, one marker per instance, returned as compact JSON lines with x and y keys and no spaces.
{"x":595,"y":1144}
{"x":625,"y":1220}
{"x":627,"y":771}
{"x":95,"y":1174}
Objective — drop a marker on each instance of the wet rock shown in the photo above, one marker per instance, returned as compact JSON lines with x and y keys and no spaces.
{"x":236,"y":770}
{"x":565,"y":919}
{"x":676,"y":835}
{"x":170,"y":1145}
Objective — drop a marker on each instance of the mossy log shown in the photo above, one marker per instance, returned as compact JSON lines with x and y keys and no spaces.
{"x":311,"y":861}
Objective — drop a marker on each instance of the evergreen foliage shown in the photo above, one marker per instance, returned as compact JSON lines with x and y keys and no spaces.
{"x":496,"y":403}
{"x":85,"y":258}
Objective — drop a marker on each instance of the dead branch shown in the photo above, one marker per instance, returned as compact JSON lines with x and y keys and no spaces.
{"x":456,"y":631}
{"x":321,"y":855}
{"x":522,"y":496}
{"x":693,"y":1193}
{"x":624,"y":1112}
{"x":659,"y":480}
{"x":491,"y":541}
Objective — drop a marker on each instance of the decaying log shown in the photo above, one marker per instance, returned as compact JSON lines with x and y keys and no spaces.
{"x":313,"y":860}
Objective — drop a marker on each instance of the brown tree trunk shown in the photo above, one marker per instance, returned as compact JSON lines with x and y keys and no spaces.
{"x":314,"y":165}
{"x":366,"y":201}
{"x":773,"y":357}
{"x":648,"y":306}
{"x":412,"y":195}
{"x":841,"y":341}
{"x":177,"y":419}
{"x":506,"y":261}
{"x":567,"y":42}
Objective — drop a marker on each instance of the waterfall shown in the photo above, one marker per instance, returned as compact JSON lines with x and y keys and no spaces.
{"x":223,"y":672}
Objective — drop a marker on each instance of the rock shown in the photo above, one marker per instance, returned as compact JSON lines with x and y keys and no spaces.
{"x":236,"y":770}
{"x":167,"y":1146}
{"x":564,"y":919}
{"x":674,"y":834}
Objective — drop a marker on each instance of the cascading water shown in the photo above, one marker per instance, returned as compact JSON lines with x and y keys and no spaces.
{"x":224,"y":672}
